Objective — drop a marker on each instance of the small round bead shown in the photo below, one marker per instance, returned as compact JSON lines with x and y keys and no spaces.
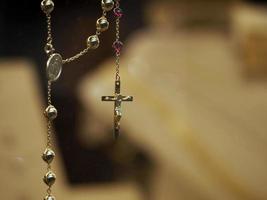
{"x":49,"y":178}
{"x":49,"y":49}
{"x":47,"y":6}
{"x":102,"y":24}
{"x":93,"y":42}
{"x":49,"y":197}
{"x":51,"y":112}
{"x":107,"y":5}
{"x":48,"y":155}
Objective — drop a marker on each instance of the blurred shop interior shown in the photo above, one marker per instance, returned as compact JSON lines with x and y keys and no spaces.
{"x":196,"y":129}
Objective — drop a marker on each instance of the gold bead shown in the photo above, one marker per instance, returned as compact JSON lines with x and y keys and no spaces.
{"x":49,"y":197}
{"x":49,"y":178}
{"x":93,"y":42}
{"x":107,"y":5}
{"x":47,"y":6}
{"x":49,"y":49}
{"x":102,"y":24}
{"x":51,"y":112}
{"x":48,"y":155}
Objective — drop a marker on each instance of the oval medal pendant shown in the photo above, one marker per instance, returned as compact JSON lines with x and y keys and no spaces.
{"x":54,"y":67}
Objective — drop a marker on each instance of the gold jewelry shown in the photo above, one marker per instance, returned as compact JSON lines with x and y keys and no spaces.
{"x":53,"y":70}
{"x":117,"y":98}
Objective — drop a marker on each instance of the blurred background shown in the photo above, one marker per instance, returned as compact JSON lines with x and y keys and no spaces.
{"x":195,"y":131}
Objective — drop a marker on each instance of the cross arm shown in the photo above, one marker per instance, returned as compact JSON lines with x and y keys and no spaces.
{"x":108,"y":98}
{"x":127,"y":98}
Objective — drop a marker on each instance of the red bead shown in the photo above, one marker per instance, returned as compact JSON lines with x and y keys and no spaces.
{"x":117,"y":45}
{"x":118,"y":12}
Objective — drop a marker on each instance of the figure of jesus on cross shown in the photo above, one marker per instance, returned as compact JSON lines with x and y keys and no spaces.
{"x":118,"y":99}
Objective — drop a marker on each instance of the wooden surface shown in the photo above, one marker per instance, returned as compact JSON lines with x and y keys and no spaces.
{"x":193,"y":112}
{"x":22,"y":138}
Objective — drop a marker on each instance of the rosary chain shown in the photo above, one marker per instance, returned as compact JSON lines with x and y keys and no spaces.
{"x":49,"y":101}
{"x":75,"y":57}
{"x":54,"y":65}
{"x":117,"y":62}
{"x":48,"y":143}
{"x":49,"y":46}
{"x":49,"y":29}
{"x":49,"y":123}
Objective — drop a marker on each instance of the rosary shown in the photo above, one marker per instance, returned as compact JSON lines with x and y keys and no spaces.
{"x":54,"y":69}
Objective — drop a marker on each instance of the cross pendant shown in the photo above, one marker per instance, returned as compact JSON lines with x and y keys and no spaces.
{"x":118,"y":99}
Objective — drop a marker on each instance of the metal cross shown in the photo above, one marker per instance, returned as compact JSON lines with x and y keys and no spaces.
{"x":118,"y":99}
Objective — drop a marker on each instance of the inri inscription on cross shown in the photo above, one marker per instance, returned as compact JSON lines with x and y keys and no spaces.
{"x":118,"y":99}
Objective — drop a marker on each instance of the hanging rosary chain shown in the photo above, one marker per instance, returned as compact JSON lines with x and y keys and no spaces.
{"x":49,"y":122}
{"x":117,"y":52}
{"x":48,"y":155}
{"x":77,"y":56}
{"x":53,"y":71}
{"x":84,"y":51}
{"x":49,"y":89}
{"x":49,"y":29}
{"x":92,"y":42}
{"x":117,"y":44}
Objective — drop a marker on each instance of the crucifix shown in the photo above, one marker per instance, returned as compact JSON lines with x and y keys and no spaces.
{"x":118,"y":99}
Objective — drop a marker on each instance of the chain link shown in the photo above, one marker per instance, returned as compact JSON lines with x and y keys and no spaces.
{"x":75,"y":57}
{"x":49,"y":191}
